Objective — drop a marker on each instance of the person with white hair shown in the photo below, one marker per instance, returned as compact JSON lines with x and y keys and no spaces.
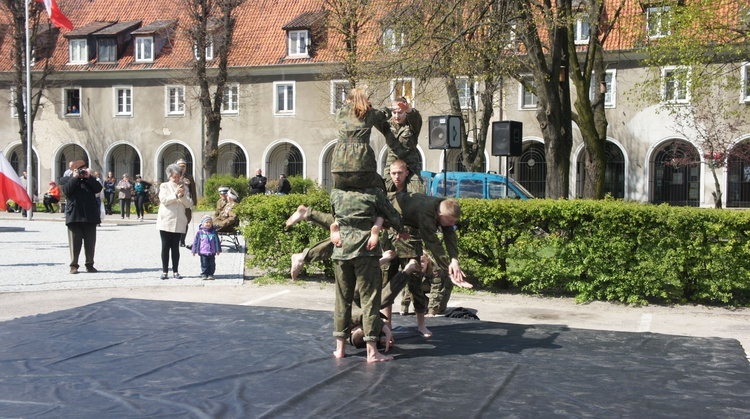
{"x":225,"y":219}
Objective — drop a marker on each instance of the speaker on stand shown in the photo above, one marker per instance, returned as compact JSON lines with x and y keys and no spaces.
{"x":507,"y":140}
{"x":444,"y":134}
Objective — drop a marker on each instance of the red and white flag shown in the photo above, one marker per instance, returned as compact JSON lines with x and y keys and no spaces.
{"x":55,"y":15}
{"x":11,"y":186}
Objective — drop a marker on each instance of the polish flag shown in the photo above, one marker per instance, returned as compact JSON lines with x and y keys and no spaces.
{"x":55,"y":15}
{"x":11,"y":186}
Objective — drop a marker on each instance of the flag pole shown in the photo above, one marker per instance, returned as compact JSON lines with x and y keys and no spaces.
{"x":29,"y":173}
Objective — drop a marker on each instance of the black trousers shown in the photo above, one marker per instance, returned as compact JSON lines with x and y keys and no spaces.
{"x":170,"y":242}
{"x":82,"y":235}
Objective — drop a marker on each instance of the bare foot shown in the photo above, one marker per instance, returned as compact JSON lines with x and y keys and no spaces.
{"x":335,"y":235}
{"x":374,"y":237}
{"x":299,"y":215}
{"x":424,"y":331}
{"x":411,"y":267}
{"x":340,"y":351}
{"x":374,"y":356}
{"x":298,"y":261}
{"x":388,"y":255}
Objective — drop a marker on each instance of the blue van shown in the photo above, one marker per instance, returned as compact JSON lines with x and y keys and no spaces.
{"x":473,"y":185}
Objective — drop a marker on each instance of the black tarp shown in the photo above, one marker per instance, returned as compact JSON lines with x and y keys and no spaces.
{"x":135,"y":358}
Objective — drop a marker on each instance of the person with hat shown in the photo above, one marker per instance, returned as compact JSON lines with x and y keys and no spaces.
{"x":225,"y":219}
{"x":82,"y":213}
{"x":223,"y":190}
{"x":51,"y":197}
{"x":208,"y":245}
{"x":189,"y":182}
{"x":141,"y":188}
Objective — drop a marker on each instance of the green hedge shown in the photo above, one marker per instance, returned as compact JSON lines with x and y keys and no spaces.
{"x":594,"y":250}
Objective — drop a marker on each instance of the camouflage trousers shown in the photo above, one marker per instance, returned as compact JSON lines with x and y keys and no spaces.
{"x":362,"y":274}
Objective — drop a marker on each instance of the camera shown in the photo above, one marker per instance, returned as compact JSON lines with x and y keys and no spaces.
{"x":80,"y":171}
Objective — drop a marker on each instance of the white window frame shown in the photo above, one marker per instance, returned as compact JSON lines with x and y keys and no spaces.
{"x":522,"y":102}
{"x":78,"y":51}
{"x":298,"y":46}
{"x":179,"y":103}
{"x":144,"y":51}
{"x":335,"y":84}
{"x":745,"y":87}
{"x":230,"y":104}
{"x":665,"y":80}
{"x":277,"y":110}
{"x":464,"y":93}
{"x":209,"y":48}
{"x":661,"y":17}
{"x":123,"y":100}
{"x":11,"y":102}
{"x":610,"y":98}
{"x":65,"y":102}
{"x":393,"y":39}
{"x":399,"y":88}
{"x":582,"y":29}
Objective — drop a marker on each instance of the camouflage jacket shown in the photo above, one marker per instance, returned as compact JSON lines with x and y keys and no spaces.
{"x":407,"y":136}
{"x":356,"y":213}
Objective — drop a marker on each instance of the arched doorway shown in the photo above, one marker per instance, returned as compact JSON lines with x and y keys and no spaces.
{"x":171,"y":154}
{"x":614,"y":171}
{"x":70,"y":152}
{"x":17,"y":159}
{"x":326,"y":180}
{"x":285,"y":159}
{"x":124,"y":159}
{"x":530,"y":169}
{"x":675,"y":175}
{"x":738,"y":176}
{"x":232,"y":160}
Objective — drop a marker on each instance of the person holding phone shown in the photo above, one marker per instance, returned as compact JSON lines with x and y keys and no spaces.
{"x":171,"y":220}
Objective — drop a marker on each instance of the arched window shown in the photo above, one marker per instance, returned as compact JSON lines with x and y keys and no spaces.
{"x":70,"y":152}
{"x":285,"y":159}
{"x":530,"y":169}
{"x":675,"y":178}
{"x":232,"y":160}
{"x":738,"y":179}
{"x":614,"y":172}
{"x":124,"y":159}
{"x":171,"y":154}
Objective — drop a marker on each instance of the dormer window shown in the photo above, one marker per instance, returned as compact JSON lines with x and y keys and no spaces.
{"x":107,"y":50}
{"x":582,"y":28}
{"x":305,"y":33}
{"x":209,"y":48}
{"x":144,"y":49}
{"x":150,"y":39}
{"x":393,"y":39}
{"x":657,"y":21}
{"x":297,"y":43}
{"x":79,"y":51}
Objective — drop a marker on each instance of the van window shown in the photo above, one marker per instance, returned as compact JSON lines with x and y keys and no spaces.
{"x":471,"y":188}
{"x":440,"y":189}
{"x":496,"y":189}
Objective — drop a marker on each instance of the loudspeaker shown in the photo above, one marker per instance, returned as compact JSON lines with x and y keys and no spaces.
{"x":507,"y":138}
{"x":445,"y":131}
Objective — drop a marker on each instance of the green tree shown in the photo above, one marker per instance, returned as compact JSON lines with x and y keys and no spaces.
{"x":695,"y":75}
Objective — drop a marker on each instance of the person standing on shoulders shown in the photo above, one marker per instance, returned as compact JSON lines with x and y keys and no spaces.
{"x":81,"y":214}
{"x":258,"y":183}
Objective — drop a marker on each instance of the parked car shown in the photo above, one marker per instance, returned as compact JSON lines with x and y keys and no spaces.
{"x":473,"y":185}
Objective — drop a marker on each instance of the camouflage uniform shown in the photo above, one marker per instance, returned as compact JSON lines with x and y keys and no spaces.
{"x":407,"y":136}
{"x":323,"y":249}
{"x":354,"y":265}
{"x":421,"y":211}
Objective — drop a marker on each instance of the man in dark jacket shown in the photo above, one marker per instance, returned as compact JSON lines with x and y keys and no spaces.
{"x":81,"y":213}
{"x":258,"y":183}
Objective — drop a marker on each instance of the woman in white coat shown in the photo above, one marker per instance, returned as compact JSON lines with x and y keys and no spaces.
{"x":171,"y":221}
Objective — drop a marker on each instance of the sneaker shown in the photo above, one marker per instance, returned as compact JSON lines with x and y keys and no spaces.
{"x":141,"y":219}
{"x":164,"y":276}
{"x":74,"y":270}
{"x":210,"y":278}
{"x":204,"y":277}
{"x":91,"y":269}
{"x":177,"y":276}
